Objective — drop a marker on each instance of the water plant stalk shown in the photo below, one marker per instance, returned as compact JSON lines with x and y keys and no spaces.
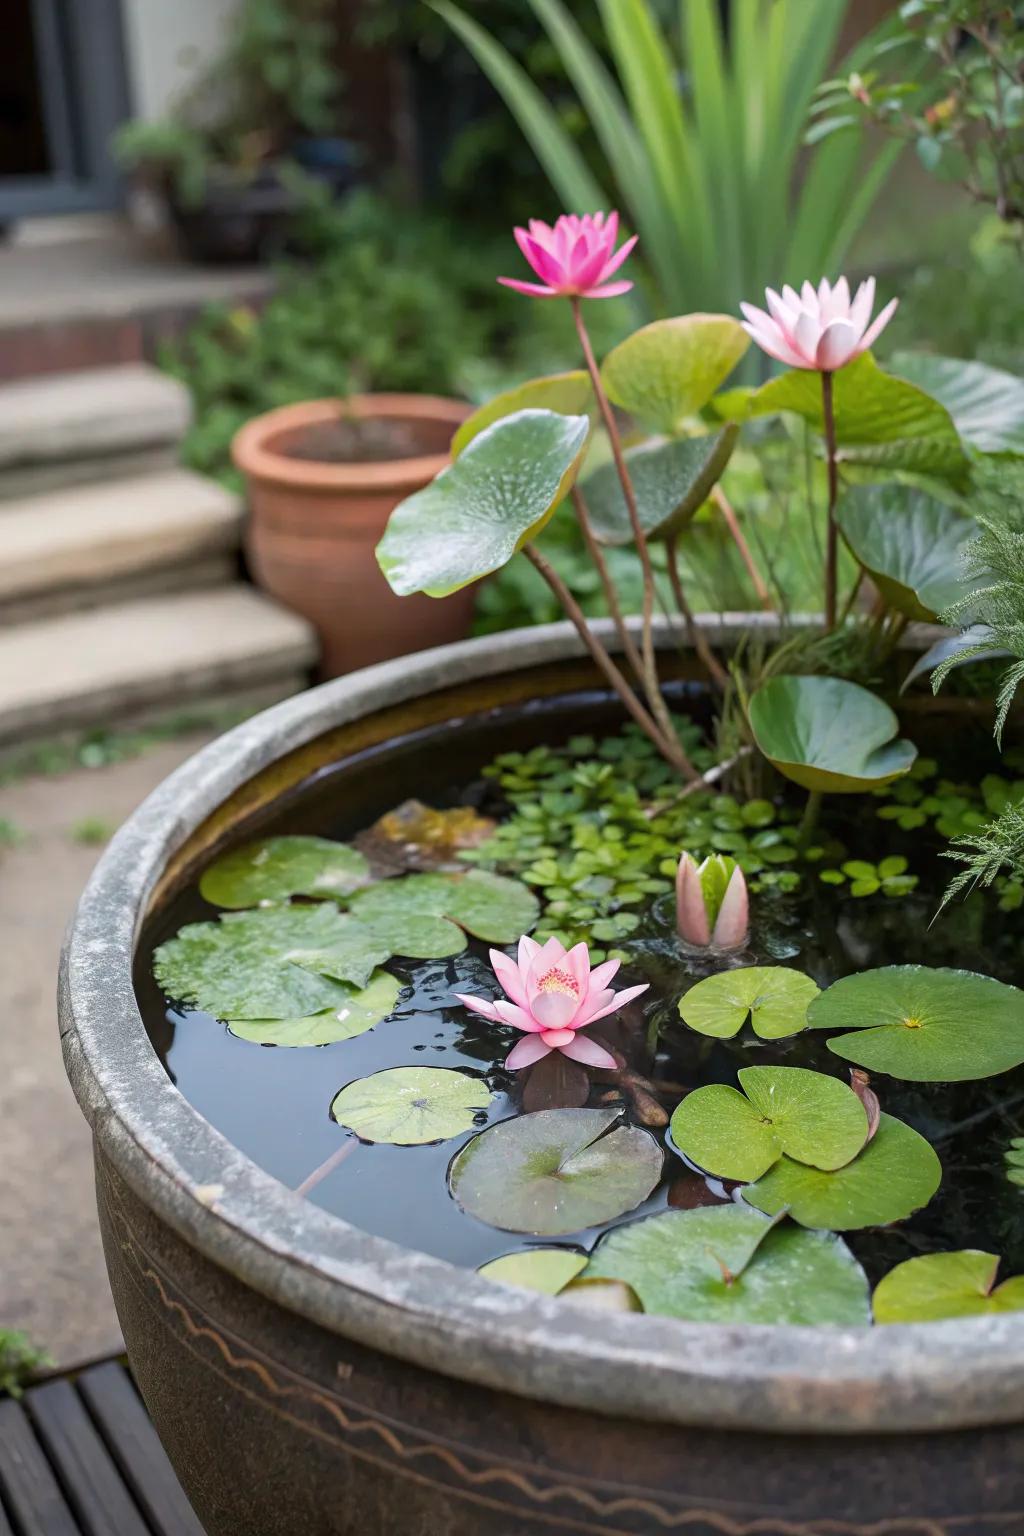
{"x":832,"y":536}
{"x":596,"y":554}
{"x":724,"y":505}
{"x":719,"y":676}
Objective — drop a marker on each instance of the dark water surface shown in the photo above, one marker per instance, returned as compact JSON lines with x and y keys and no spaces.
{"x":274,"y":1103}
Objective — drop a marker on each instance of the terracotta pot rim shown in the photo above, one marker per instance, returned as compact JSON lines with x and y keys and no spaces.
{"x":254,"y":455}
{"x":894,"y":1379}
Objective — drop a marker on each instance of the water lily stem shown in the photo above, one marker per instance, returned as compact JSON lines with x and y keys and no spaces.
{"x":832,"y":539}
{"x":698,"y":639}
{"x":668,"y":746}
{"x":854,"y":594}
{"x":810,"y":817}
{"x":732,"y":522}
{"x":652,"y":687}
{"x":596,"y":553}
{"x":327,"y":1166}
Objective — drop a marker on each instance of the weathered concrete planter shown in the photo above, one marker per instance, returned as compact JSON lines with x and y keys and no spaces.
{"x":310,"y":1380}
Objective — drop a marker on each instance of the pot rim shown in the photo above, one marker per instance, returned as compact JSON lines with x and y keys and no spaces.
{"x":253,"y":455}
{"x":890,"y":1379}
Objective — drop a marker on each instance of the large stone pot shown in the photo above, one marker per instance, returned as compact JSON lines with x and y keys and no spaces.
{"x":310,"y":1380}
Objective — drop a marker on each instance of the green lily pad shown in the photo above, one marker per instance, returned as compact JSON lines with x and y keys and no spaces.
{"x":809,"y":1116}
{"x":829,"y":735}
{"x":424,"y":915}
{"x":924,"y":1025}
{"x":668,"y":371}
{"x":896,"y":1174}
{"x":602,"y":1295}
{"x":557,"y":1171}
{"x":497,"y":495}
{"x":723,"y":1264}
{"x":271,"y":963}
{"x":548,"y":1270}
{"x":363,"y":1009}
{"x":880,"y":419}
{"x":672,"y":478}
{"x":911,"y":544}
{"x":986,"y":404}
{"x":773,"y":997}
{"x":570,"y":394}
{"x":280,"y":867}
{"x":409,"y":1106}
{"x":939,"y":1285}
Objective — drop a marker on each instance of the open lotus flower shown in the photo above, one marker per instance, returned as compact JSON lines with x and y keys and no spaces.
{"x":712,"y":906}
{"x":575,"y":259}
{"x":553,"y":994}
{"x":819,"y":328}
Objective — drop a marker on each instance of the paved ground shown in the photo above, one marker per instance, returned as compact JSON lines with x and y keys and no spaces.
{"x":52,"y":1281}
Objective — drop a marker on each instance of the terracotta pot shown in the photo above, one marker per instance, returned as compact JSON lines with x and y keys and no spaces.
{"x":314,"y":523}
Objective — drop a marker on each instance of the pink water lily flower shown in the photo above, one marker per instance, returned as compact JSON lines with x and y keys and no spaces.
{"x":575,"y":259}
{"x":819,"y":328}
{"x":553,"y":994}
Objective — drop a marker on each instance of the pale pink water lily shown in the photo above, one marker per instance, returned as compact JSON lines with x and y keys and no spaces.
{"x":575,"y":259}
{"x":551,"y":994}
{"x":820,"y":328}
{"x":712,"y":904}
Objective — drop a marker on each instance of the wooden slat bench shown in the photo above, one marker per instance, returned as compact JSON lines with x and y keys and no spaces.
{"x":81,"y":1458}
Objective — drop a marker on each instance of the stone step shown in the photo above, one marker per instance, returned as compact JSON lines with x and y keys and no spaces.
{"x":91,"y":425}
{"x":89,"y":544}
{"x":140,"y":660}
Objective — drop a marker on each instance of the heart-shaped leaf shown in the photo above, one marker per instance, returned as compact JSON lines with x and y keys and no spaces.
{"x":809,"y":1116}
{"x":896,"y":1174}
{"x":727,"y":1265}
{"x":424,"y":915}
{"x":548,"y":1270}
{"x":668,"y":371}
{"x":924,"y":1025}
{"x":557,"y":1171}
{"x":986,"y":404}
{"x":672,"y":478}
{"x":271,"y":963}
{"x":939,"y":1285}
{"x":570,"y":394}
{"x":361,"y":1012}
{"x":773,"y":997}
{"x":409,"y":1106}
{"x":498,"y":494}
{"x":879,"y":419}
{"x":280,"y":867}
{"x":911,"y":544}
{"x":829,"y":735}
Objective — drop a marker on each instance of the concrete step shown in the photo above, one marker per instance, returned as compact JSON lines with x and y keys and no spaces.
{"x":92,"y":425}
{"x":140,"y":660}
{"x":85,"y":545}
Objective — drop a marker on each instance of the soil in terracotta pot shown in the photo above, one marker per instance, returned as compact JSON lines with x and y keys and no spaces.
{"x":275,"y":1103}
{"x":373,"y":440}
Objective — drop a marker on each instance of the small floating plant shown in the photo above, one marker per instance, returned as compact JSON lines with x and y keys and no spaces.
{"x":780,"y":1112}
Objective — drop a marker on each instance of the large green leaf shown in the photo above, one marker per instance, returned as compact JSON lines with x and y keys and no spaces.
{"x":829,"y":735}
{"x":726,"y":1265}
{"x":280,"y":867}
{"x":895,"y":1175}
{"x":498,"y":494}
{"x":271,"y":963}
{"x":548,"y":1270}
{"x":672,"y":478}
{"x":939,"y":1285}
{"x":362,"y":1010}
{"x":924,"y":1025}
{"x":809,"y":1116}
{"x":911,"y":544}
{"x":986,"y":404}
{"x":557,"y":1171}
{"x":668,"y":371}
{"x":410,"y":1106}
{"x":423,"y":915}
{"x":570,"y":394}
{"x":773,"y":997}
{"x":880,"y":419}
